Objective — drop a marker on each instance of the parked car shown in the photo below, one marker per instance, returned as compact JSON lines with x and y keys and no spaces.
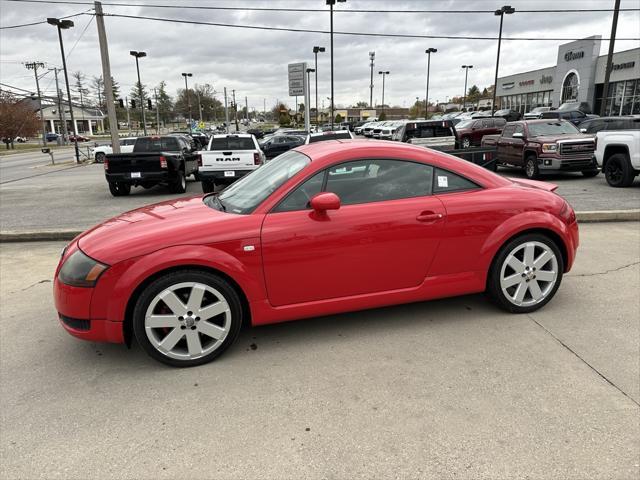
{"x":618,"y":150}
{"x":126,"y":146}
{"x":279,"y":144}
{"x":20,"y":139}
{"x":325,"y":229}
{"x":387,"y":131}
{"x":508,"y":114}
{"x":357,"y":128}
{"x":228,"y":158}
{"x":469,"y":133}
{"x":256,"y":132}
{"x":536,"y":113}
{"x":81,"y":138}
{"x":544,"y":146}
{"x":323,"y":136}
{"x":574,"y":116}
{"x":367,"y":130}
{"x":571,"y":106}
{"x":594,"y":125}
{"x":154,"y":160}
{"x":52,"y":137}
{"x":435,"y":134}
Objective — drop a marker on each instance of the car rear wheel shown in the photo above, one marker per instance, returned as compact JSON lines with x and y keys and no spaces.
{"x":618,"y":172}
{"x":466,"y":142}
{"x":119,"y":189}
{"x":187,"y":318}
{"x":100,"y":157}
{"x":531,"y":168}
{"x":526,"y":273}
{"x":179,"y":184}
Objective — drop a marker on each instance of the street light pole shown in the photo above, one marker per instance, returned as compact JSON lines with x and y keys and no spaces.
{"x":331,"y":3}
{"x":63,"y":25}
{"x":317,"y":49}
{"x":34,"y":66}
{"x":384,"y":74}
{"x":428,"y":51}
{"x":466,"y":72}
{"x":309,"y":71}
{"x":186,"y":91}
{"x":508,"y":10}
{"x":140,"y":90}
{"x":372,"y":56}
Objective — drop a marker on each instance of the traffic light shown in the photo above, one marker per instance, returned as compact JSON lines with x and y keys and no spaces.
{"x":121,"y":103}
{"x":133,"y":104}
{"x":149,"y":104}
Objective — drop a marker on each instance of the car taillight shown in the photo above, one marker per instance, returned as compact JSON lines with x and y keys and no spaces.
{"x":199,"y":160}
{"x":256,"y":158}
{"x":567,"y":214}
{"x":163,"y":162}
{"x":106,"y":164}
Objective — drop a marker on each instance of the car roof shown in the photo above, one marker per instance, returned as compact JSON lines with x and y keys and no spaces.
{"x":225,"y":135}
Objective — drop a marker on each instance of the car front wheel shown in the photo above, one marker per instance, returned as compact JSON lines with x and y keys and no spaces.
{"x":466,"y":142}
{"x":531,"y":168}
{"x":526,"y":273}
{"x":187,"y":318}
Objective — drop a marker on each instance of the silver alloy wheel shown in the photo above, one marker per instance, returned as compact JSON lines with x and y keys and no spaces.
{"x":529,"y":273}
{"x":531,"y":168}
{"x":187,"y":320}
{"x":466,"y":143}
{"x":183,"y":182}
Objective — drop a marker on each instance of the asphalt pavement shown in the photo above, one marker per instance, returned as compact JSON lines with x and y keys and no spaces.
{"x":23,"y":166}
{"x":445,"y":389}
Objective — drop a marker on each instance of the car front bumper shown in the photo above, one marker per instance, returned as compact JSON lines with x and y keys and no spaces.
{"x":563,"y":164}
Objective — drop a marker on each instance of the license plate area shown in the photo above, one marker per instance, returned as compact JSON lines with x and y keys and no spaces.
{"x":229,"y":173}
{"x":136,"y":175}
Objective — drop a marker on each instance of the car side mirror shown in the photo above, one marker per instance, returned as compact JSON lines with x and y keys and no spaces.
{"x":518,"y":135}
{"x":583,"y":130}
{"x":325,"y":201}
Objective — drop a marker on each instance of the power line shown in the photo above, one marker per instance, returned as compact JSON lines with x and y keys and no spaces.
{"x":317,"y":10}
{"x":42,"y":21}
{"x":362,"y":34}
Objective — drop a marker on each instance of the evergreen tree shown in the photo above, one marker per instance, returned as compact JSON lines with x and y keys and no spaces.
{"x":164,"y":102}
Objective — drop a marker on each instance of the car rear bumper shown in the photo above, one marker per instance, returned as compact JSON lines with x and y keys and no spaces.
{"x":219,"y":176}
{"x":145,"y":177}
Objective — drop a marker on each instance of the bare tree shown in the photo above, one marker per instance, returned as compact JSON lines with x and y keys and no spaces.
{"x":16,"y":119}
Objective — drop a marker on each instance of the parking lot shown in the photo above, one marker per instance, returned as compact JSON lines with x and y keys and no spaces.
{"x":78,"y":197}
{"x":444,"y":389}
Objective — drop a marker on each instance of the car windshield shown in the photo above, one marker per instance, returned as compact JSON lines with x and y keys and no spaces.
{"x":551,"y":128}
{"x":465,"y":124}
{"x":232,"y":143}
{"x":251,"y":190}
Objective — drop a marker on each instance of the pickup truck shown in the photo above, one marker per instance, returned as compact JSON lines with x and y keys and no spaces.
{"x":544,"y":145}
{"x":618,"y":151}
{"x":435,"y":134}
{"x":227,"y":158}
{"x":154,"y":160}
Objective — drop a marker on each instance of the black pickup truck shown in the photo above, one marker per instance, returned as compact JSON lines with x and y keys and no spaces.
{"x":154,"y":160}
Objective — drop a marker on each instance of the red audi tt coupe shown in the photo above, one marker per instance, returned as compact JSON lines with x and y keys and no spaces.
{"x":329,"y":227}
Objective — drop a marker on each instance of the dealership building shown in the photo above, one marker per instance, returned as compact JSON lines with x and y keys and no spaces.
{"x":578,"y":76}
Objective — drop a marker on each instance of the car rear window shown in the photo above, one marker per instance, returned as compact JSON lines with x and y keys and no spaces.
{"x":232,"y":143}
{"x":330,"y":136}
{"x":156,"y":144}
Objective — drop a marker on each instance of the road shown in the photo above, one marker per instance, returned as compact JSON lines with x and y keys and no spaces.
{"x":445,"y":389}
{"x":20,"y":166}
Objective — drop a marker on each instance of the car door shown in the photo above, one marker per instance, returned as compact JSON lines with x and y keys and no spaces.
{"x":383,"y":237}
{"x":504,"y":144}
{"x":516,"y":148}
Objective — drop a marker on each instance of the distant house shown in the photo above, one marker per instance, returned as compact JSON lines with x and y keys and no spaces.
{"x":88,"y":120}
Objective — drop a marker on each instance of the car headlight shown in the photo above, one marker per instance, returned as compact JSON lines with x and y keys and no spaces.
{"x":80,"y":270}
{"x":549,"y":147}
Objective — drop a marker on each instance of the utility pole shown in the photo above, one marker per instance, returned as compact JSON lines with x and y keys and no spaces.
{"x":106,"y":77}
{"x":466,"y":73}
{"x":226,"y":110}
{"x":126,"y":102}
{"x":384,"y":74}
{"x":264,"y":107}
{"x":607,"y":73}
{"x":246,"y":108}
{"x":34,"y":66}
{"x":155,"y":96}
{"x":372,"y":56}
{"x":199,"y":104}
{"x":61,"y":116}
{"x":235,"y":109}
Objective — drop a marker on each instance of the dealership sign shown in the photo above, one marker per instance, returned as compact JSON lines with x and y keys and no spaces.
{"x":573,"y":55}
{"x":507,"y":86}
{"x":622,"y":66}
{"x":297,"y":78}
{"x":546,"y":79}
{"x":526,"y":83}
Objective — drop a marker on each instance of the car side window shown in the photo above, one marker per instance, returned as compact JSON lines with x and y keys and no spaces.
{"x":365,"y":181}
{"x":519,"y":129}
{"x":508,"y":130}
{"x":445,"y":181}
{"x":488,"y":123}
{"x":300,"y":197}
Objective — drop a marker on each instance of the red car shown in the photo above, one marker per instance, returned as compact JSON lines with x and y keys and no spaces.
{"x":329,"y":227}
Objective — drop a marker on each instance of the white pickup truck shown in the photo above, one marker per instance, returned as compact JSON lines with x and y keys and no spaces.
{"x":227,"y":158}
{"x":126,"y":146}
{"x":618,"y":151}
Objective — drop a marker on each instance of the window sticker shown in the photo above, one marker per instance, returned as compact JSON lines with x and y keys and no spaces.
{"x":443,"y":182}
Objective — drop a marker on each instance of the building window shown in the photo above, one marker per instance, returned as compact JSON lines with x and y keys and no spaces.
{"x":623,"y":98}
{"x":570,"y":88}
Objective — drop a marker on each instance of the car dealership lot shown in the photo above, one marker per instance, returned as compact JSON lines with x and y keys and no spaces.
{"x":79,"y":197}
{"x":452,"y":388}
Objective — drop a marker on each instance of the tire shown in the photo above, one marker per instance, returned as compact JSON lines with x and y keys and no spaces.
{"x":531,"y":168}
{"x":207,"y":186}
{"x":196,"y":176}
{"x":215,"y":326}
{"x":590,"y":173}
{"x":618,"y":171}
{"x":178,"y":184}
{"x":119,"y":189}
{"x":100,"y":156}
{"x":466,"y":142}
{"x":514,"y":285}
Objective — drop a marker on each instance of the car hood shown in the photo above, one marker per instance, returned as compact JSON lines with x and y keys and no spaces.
{"x":176,"y":222}
{"x":555,"y":138}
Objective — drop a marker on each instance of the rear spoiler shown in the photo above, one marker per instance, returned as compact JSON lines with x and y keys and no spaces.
{"x":549,"y":187}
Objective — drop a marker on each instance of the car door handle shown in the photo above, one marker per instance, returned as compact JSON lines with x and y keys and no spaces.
{"x":429,"y":216}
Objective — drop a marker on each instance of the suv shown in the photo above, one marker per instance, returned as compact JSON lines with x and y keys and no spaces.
{"x":595,"y":125}
{"x":536,"y":113}
{"x":470,"y":132}
{"x":574,"y":116}
{"x":277,"y":144}
{"x":618,"y":150}
{"x":508,"y":114}
{"x":435,"y":134}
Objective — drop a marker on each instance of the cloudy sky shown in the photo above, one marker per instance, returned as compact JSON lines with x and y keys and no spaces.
{"x":254,"y":62}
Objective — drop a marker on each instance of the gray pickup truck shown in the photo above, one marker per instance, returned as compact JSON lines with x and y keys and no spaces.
{"x":154,"y":160}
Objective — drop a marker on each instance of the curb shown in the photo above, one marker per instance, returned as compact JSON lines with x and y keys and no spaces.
{"x":66,"y":235}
